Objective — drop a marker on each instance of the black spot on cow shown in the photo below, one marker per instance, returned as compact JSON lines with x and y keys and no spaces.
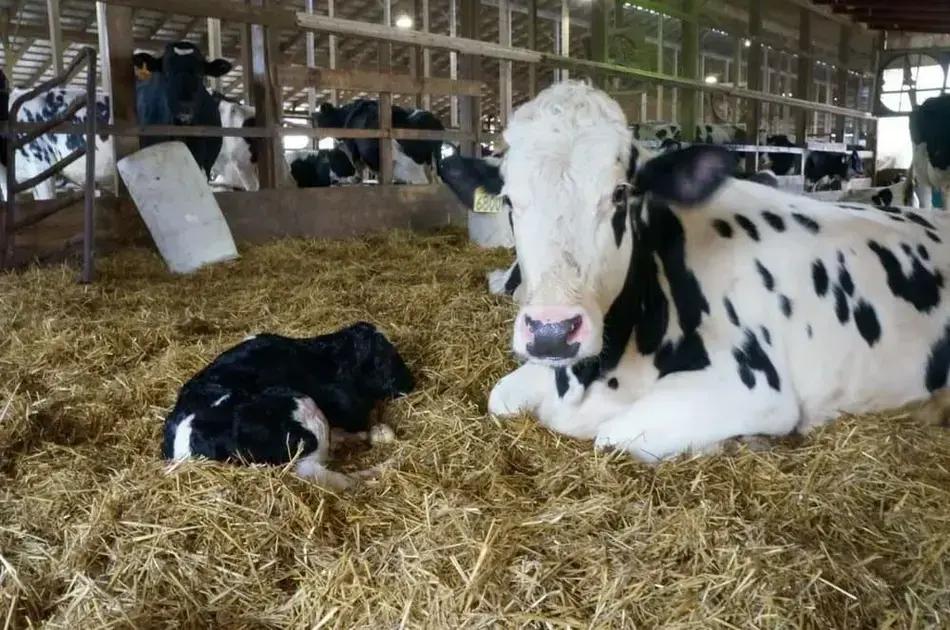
{"x":896,"y":218}
{"x":767,"y":278}
{"x":746,"y":224}
{"x":809,"y":331}
{"x":613,"y":383}
{"x":751,"y":358}
{"x":685,"y":355}
{"x":819,"y":276}
{"x":807,"y":222}
{"x":722,"y":228}
{"x":844,"y":278}
{"x":766,"y":335}
{"x":933,"y":236}
{"x":841,"y":305}
{"x":907,"y":249}
{"x":776,"y":222}
{"x":923,"y":253}
{"x":514,"y":280}
{"x":919,"y":220}
{"x":561,"y":381}
{"x":938,"y":364}
{"x":889,"y":209}
{"x":619,"y":224}
{"x":851,"y":206}
{"x":921,"y":288}
{"x":731,"y":311}
{"x":865,"y":317}
{"x":785,"y":304}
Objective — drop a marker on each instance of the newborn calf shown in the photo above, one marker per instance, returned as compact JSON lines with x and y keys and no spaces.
{"x":271,"y":397}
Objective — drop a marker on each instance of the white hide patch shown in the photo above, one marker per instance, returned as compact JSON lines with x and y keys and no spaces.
{"x":181,"y":448}
{"x":309,"y":416}
{"x":220,"y":400}
{"x":183,"y":50}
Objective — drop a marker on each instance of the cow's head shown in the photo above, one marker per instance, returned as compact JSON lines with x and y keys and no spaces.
{"x":574,"y":185}
{"x":183,"y":69}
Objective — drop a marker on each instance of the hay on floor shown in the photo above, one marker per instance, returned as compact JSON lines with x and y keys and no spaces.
{"x":479,"y":524}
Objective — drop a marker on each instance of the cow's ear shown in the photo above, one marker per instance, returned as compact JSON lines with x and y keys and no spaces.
{"x":147,"y":61}
{"x":327,"y":108}
{"x":217,"y":68}
{"x":688,"y":176}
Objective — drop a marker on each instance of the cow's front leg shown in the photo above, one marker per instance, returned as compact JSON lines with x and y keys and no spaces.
{"x":925,"y":196}
{"x":522,"y":391}
{"x":695,"y":412}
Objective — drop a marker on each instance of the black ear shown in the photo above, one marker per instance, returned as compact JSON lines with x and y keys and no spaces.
{"x":146,"y":60}
{"x":217,"y":68}
{"x":688,"y":176}
{"x":465,"y":176}
{"x":327,"y":108}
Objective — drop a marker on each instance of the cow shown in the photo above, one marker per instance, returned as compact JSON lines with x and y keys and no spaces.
{"x":271,"y":398}
{"x":411,"y":158}
{"x":174,"y":94}
{"x":830,"y":171}
{"x":781,"y":163}
{"x":707,"y":133}
{"x":930,"y":135}
{"x":882,"y":196}
{"x":326,"y":167}
{"x":47,"y":149}
{"x":666,"y":307}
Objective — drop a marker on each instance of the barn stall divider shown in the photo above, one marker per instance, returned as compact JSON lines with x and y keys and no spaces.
{"x":274,"y":212}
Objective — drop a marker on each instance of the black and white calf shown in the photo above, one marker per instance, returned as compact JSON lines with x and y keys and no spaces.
{"x":326,"y":167}
{"x":666,"y":307}
{"x":272,"y":398}
{"x":930,"y":135}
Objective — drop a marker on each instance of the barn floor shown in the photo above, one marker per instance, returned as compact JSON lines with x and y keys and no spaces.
{"x":478,"y":524}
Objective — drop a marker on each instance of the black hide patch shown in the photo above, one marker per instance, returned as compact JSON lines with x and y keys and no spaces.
{"x":688,"y":176}
{"x":561,"y":381}
{"x":938,"y":364}
{"x":819,"y":276}
{"x":844,"y":277}
{"x":809,"y":331}
{"x":619,"y":225}
{"x":722,"y":228}
{"x":767,"y":280}
{"x":923,"y":253}
{"x":919,"y":220}
{"x":776,"y":222}
{"x":731,"y":311}
{"x":766,"y":335}
{"x":785,"y":305}
{"x":865,"y":318}
{"x":751,"y":358}
{"x":807,"y":222}
{"x":746,"y":224}
{"x":613,"y":383}
{"x":513,"y":281}
{"x":685,"y":355}
{"x":922,"y":288}
{"x":933,"y":236}
{"x":841,"y":305}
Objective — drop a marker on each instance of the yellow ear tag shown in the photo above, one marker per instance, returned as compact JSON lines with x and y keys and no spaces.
{"x":487,"y":203}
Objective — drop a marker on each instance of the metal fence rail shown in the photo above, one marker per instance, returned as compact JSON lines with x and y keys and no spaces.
{"x":20,"y":135}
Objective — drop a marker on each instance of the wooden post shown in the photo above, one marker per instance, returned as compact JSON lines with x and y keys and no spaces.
{"x":386,"y":105}
{"x":215,"y":50}
{"x":659,"y":65}
{"x":5,"y":16}
{"x":844,"y":59}
{"x":806,"y":67}
{"x":754,"y":69}
{"x":247,"y":77}
{"x":533,"y":45}
{"x":453,"y":64}
{"x":504,"y":67}
{"x":102,"y":27}
{"x":564,"y":41}
{"x":470,"y":106}
{"x":55,"y":36}
{"x":426,"y":56}
{"x":331,"y":43}
{"x":265,"y":96}
{"x":689,"y":118}
{"x":415,"y":52}
{"x":310,"y":42}
{"x":119,"y":45}
{"x":599,"y":20}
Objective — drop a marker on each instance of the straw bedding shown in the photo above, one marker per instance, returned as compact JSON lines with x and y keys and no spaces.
{"x":476,"y":524}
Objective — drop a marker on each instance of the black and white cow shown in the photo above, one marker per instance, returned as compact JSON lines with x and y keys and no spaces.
{"x":707,"y":133}
{"x":326,"y":167}
{"x":272,"y":398}
{"x":411,"y":158}
{"x":830,"y":171}
{"x":174,"y":94}
{"x":882,"y":197}
{"x":930,"y":135}
{"x":781,"y":163}
{"x":666,"y":307}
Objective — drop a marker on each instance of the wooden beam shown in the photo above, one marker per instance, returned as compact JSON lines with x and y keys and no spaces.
{"x":806,"y":69}
{"x":118,"y":38}
{"x":224,"y":10}
{"x":599,"y":18}
{"x":215,"y":49}
{"x":311,"y":51}
{"x":55,"y":35}
{"x":469,"y":69}
{"x":754,"y":79}
{"x":265,"y":95}
{"x":564,"y":40}
{"x":532,"y":45}
{"x":302,"y":77}
{"x":504,"y":67}
{"x":385,"y":106}
{"x":844,"y":55}
{"x":453,"y":63}
{"x":689,"y":112}
{"x":426,"y":56}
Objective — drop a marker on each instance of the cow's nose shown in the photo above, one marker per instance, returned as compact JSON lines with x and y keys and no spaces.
{"x":553,"y":332}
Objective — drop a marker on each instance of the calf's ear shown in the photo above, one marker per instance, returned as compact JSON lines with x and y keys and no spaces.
{"x":688,"y":176}
{"x":217,"y":68}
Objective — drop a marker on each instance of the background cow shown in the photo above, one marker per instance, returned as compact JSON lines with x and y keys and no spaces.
{"x":699,"y":308}
{"x":326,"y":167}
{"x":930,"y":135}
{"x":711,"y":133}
{"x":411,"y":158}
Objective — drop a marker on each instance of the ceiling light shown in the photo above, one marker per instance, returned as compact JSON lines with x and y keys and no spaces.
{"x":711,"y":79}
{"x":404,"y":21}
{"x":747,"y":43}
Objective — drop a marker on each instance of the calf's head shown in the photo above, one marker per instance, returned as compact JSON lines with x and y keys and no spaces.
{"x":577,"y":196}
{"x":183,"y":69}
{"x":383,"y":372}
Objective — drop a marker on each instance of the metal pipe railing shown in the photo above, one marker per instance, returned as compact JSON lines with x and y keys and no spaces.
{"x":20,"y":135}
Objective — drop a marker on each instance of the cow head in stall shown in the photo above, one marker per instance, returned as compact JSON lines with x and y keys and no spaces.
{"x":174,"y":93}
{"x":576,"y":186}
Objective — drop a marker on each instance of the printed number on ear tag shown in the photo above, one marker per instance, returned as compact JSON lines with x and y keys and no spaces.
{"x":487,"y":203}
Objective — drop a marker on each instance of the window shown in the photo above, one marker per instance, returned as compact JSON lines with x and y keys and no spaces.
{"x":909,"y":77}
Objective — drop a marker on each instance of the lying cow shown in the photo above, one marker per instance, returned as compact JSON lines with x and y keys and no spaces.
{"x":930,"y":135}
{"x":667,"y":307}
{"x":272,"y":398}
{"x":411,"y":158}
{"x":326,"y":167}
